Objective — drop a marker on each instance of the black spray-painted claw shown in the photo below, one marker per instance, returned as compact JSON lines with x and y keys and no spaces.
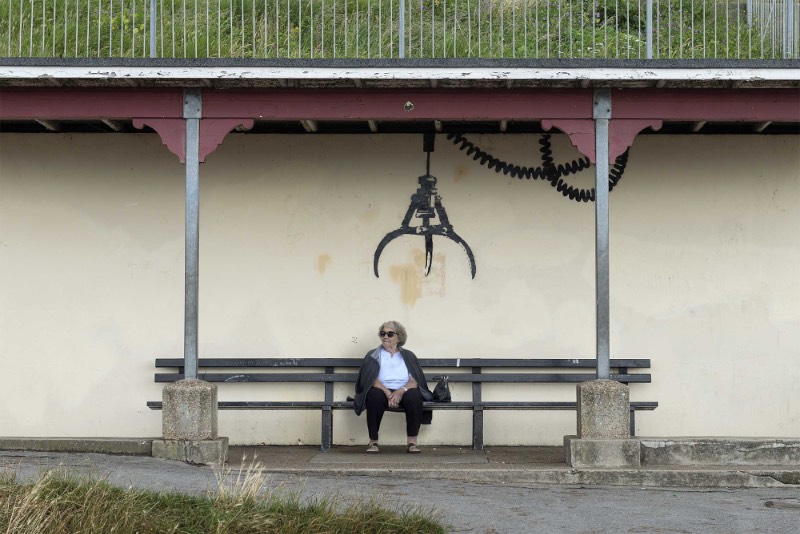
{"x":426,"y":204}
{"x":449,"y":233}
{"x":388,"y":238}
{"x":428,"y":232}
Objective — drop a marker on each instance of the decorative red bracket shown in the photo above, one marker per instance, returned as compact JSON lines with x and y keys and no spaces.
{"x":621,"y":134}
{"x":212,"y":132}
{"x":171,"y":131}
{"x":579,"y":131}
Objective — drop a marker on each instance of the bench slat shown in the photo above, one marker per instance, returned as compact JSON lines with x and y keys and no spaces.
{"x":542,"y":377}
{"x":256,"y":405}
{"x":263,"y":362}
{"x":455,"y":377}
{"x":456,"y":405}
{"x":262,"y":377}
{"x":580,"y":363}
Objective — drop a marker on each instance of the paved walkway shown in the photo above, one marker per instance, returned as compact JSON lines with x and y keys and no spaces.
{"x":530,"y":465}
{"x":499,"y":497}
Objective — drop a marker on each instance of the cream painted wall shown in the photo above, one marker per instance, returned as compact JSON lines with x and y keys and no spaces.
{"x":704,"y":255}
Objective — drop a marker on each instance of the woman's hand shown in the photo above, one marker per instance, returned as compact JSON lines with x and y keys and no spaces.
{"x":378,"y":384}
{"x":394,"y":398}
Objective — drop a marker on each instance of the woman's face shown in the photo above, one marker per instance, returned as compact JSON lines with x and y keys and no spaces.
{"x":388,"y":339}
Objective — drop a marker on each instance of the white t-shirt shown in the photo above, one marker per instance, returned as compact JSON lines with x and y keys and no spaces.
{"x":393,"y":373}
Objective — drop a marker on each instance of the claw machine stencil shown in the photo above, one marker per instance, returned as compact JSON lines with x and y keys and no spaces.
{"x":426,"y":207}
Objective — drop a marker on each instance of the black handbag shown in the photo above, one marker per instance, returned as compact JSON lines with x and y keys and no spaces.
{"x":441,"y":393}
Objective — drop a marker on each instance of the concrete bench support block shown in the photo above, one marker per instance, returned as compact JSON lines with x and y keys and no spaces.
{"x":602,"y":452}
{"x":603,"y":410}
{"x":189,"y":410}
{"x":189,"y":424}
{"x":603,"y":438}
{"x":202,"y":452}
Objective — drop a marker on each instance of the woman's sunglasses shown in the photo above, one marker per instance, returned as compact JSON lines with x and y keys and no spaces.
{"x":388,"y":334}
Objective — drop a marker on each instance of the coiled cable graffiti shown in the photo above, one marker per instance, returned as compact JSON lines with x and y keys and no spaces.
{"x":549,"y":171}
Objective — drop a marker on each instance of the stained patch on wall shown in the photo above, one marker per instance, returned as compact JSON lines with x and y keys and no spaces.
{"x":323,"y":260}
{"x":407,"y":276}
{"x":412,"y":282}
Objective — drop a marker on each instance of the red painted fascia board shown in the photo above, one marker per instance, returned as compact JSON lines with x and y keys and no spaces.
{"x":730,"y":105}
{"x":66,"y":104}
{"x":747,"y":105}
{"x":375,"y":104}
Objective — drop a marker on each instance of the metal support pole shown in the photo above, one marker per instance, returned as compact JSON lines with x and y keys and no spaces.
{"x":192,"y":112}
{"x":402,"y":30}
{"x":649,"y":29}
{"x":153,"y":20}
{"x":602,"y":115}
{"x":788,"y":51}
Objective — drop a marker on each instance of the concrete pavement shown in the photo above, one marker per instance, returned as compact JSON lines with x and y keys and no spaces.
{"x":493,"y":491}
{"x":530,"y":465}
{"x":740,"y":462}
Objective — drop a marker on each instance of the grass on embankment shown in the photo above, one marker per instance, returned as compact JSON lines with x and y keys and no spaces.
{"x":58,"y":504}
{"x":682,"y":29}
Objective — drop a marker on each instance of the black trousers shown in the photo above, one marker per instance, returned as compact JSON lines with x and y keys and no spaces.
{"x":377,"y":404}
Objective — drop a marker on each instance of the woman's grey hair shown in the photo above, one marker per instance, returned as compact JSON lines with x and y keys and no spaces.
{"x":402,"y":336}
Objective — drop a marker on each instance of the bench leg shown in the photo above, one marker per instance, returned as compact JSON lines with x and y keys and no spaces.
{"x":327,"y":415}
{"x":327,"y":428}
{"x":477,"y":413}
{"x":477,"y":428}
{"x":633,"y":422}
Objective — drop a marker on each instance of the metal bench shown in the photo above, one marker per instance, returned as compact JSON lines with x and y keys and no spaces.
{"x":330,"y":371}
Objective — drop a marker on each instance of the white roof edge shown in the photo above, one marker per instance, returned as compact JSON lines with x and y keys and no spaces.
{"x":398,"y":73}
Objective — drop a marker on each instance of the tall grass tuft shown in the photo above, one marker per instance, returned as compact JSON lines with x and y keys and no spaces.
{"x":61,"y":504}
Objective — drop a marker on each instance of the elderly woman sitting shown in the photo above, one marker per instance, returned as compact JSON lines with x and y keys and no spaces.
{"x":390,"y":377}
